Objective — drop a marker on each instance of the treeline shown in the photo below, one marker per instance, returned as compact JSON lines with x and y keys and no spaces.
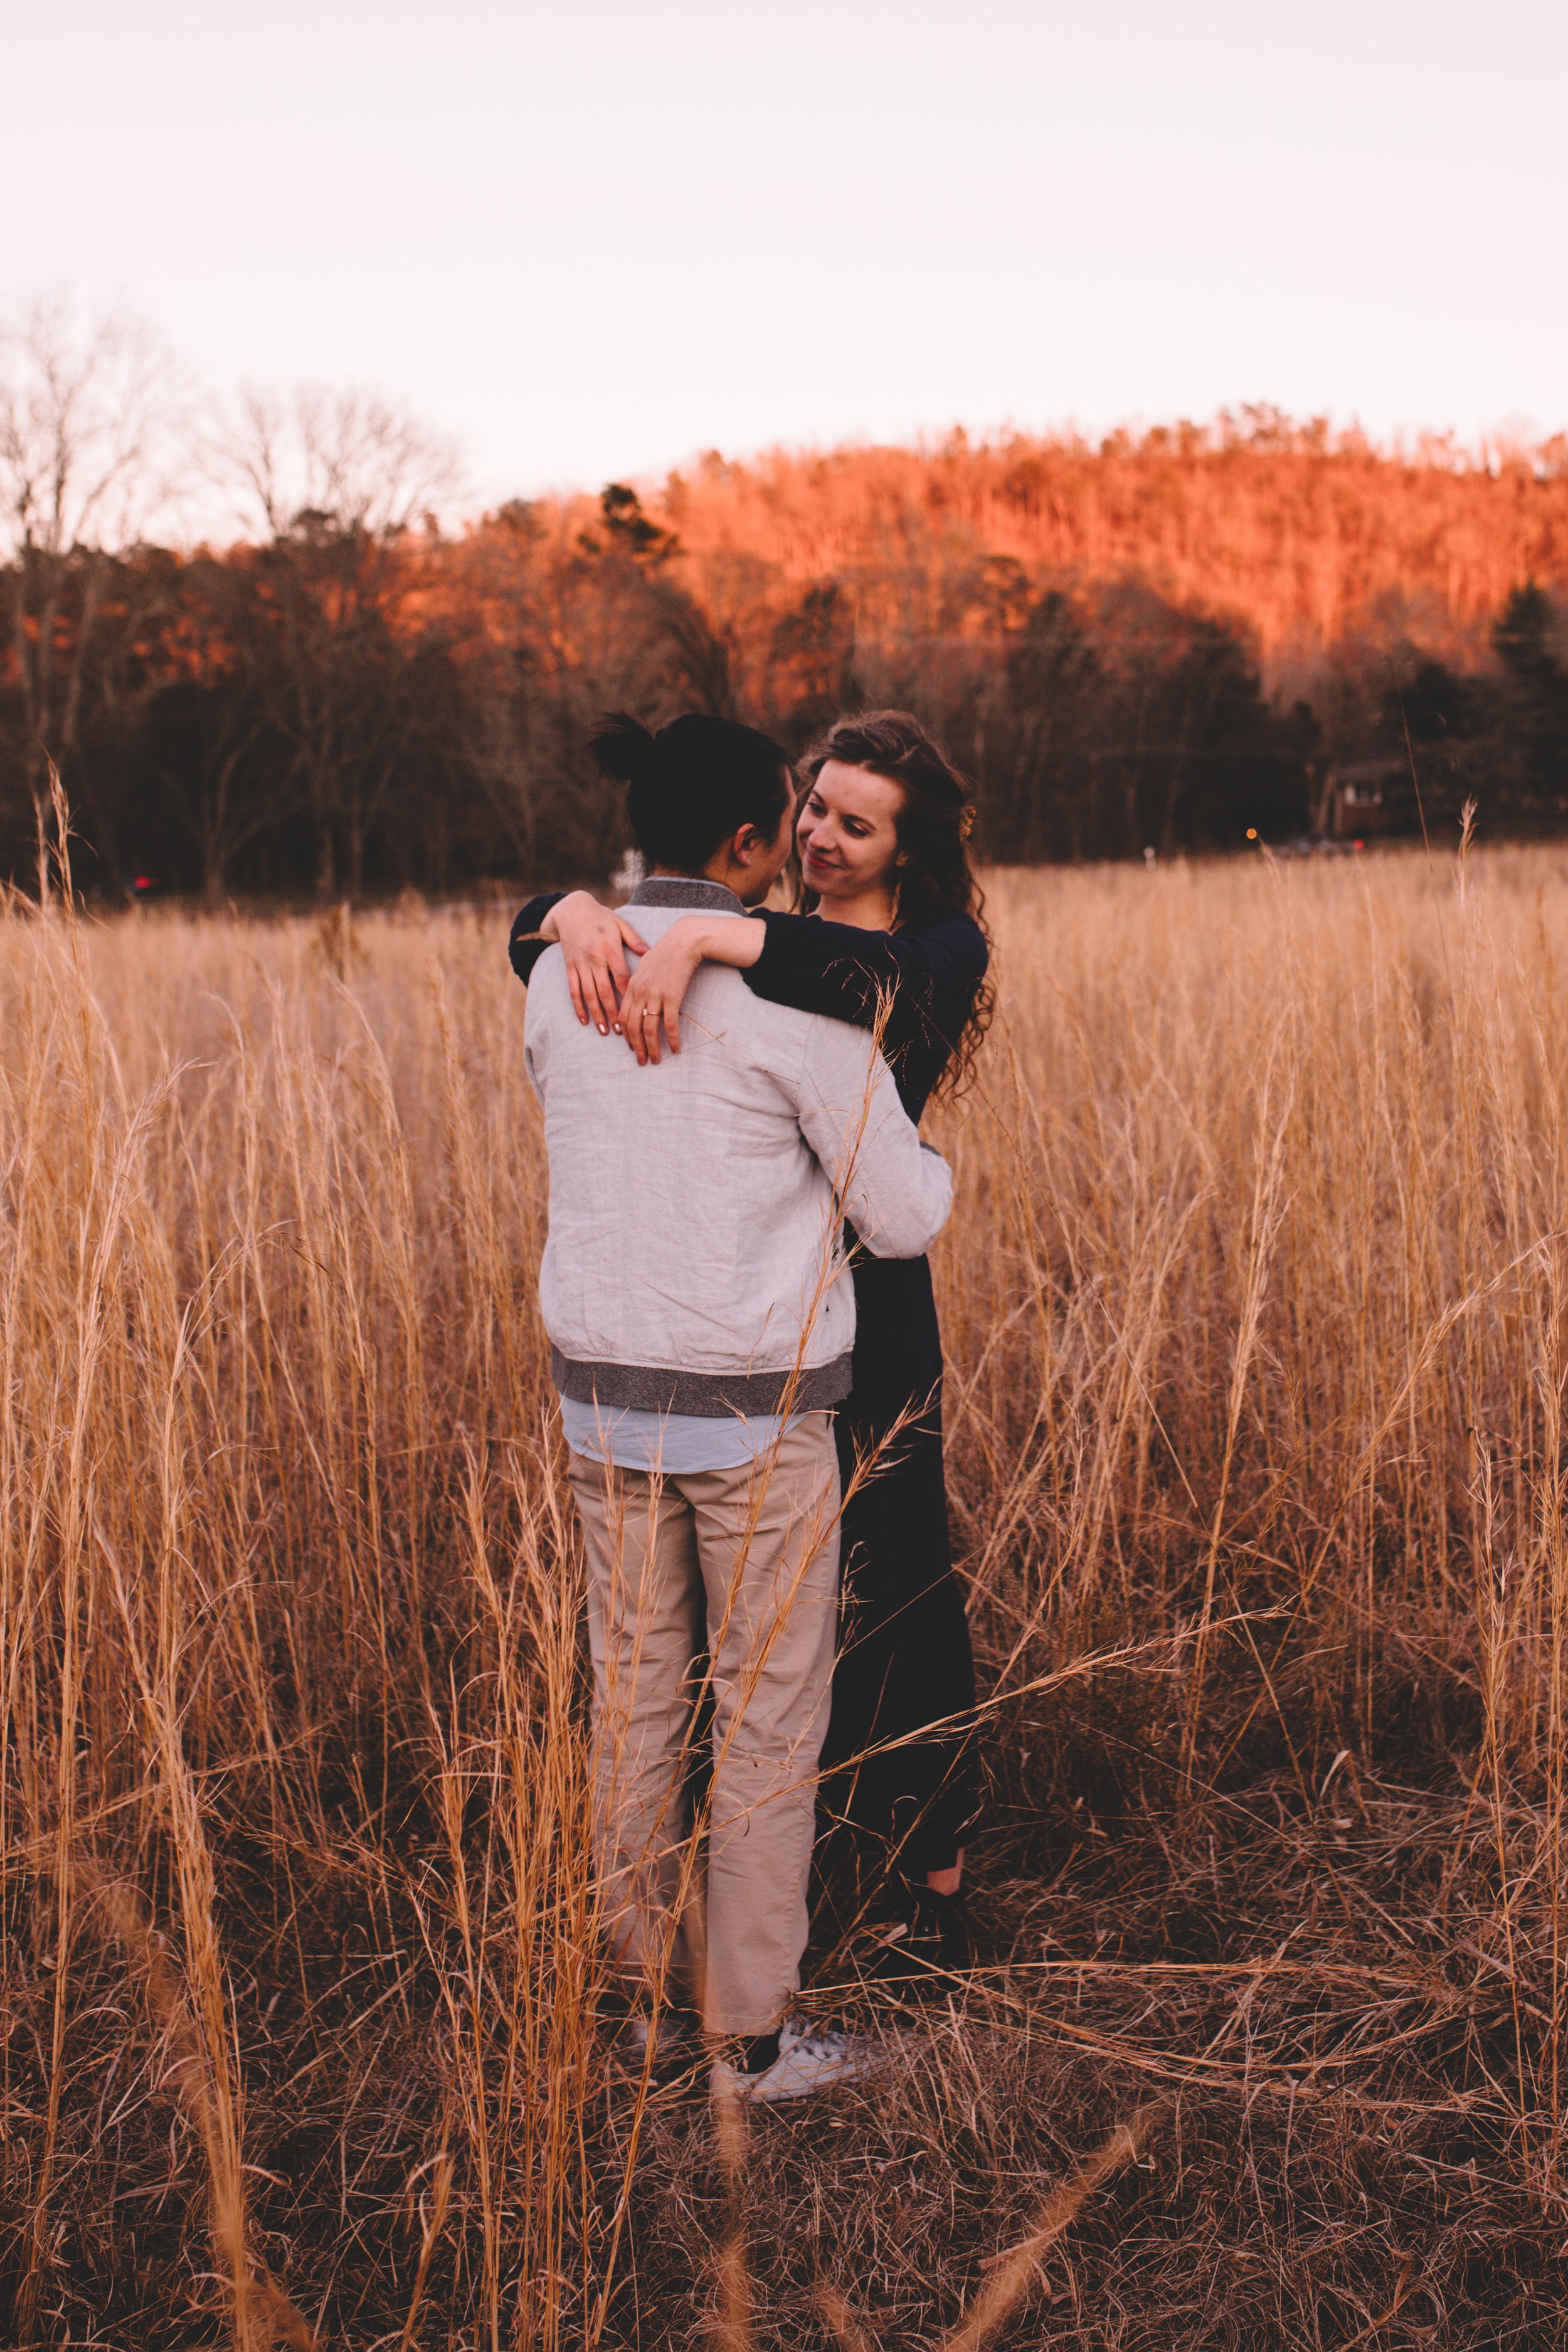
{"x":349,"y":700}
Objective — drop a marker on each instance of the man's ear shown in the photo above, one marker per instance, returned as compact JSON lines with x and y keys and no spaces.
{"x":744,"y":844}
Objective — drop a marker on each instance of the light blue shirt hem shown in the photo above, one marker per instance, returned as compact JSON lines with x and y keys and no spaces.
{"x":675,"y":1445}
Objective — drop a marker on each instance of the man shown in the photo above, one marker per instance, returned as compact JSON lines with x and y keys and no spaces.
{"x":701,"y":1318}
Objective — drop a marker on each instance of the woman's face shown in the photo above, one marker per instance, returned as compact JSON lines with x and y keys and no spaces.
{"x":847,"y":832}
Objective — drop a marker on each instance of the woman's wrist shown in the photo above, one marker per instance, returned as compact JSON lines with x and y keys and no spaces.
{"x":725,"y":940}
{"x":549,"y":928}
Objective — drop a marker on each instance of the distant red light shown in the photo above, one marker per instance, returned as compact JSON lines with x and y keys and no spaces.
{"x":1358,"y":844}
{"x":145,"y":881}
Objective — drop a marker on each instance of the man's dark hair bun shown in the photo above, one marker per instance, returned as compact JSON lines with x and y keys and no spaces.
{"x":623,"y":749}
{"x":693,"y":784}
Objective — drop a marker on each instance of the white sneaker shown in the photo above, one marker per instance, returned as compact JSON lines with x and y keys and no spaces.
{"x":811,"y":2058}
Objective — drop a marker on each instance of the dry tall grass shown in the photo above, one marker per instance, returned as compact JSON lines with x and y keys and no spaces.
{"x":1256,"y":1311}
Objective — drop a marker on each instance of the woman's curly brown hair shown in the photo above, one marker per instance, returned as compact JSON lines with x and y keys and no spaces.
{"x":933,"y":827}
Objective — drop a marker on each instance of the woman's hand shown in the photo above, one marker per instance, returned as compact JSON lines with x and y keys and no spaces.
{"x":653,"y":999}
{"x":594,"y":941}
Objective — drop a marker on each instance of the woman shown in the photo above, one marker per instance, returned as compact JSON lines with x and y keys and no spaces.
{"x":893,"y":941}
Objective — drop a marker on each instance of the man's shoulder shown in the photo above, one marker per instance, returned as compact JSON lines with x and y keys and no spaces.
{"x":765,"y":1017}
{"x":719,"y":1002}
{"x":825,"y":1054}
{"x":549,"y":1007}
{"x":547,"y":982}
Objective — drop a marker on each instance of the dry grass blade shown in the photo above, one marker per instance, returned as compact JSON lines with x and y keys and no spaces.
{"x":1014,"y":2273}
{"x":431,"y":2228}
{"x":847,"y":2332}
{"x":263,"y":2314}
{"x":731,"y":2137}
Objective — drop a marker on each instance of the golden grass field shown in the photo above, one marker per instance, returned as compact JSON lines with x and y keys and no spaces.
{"x":1256,"y":1302}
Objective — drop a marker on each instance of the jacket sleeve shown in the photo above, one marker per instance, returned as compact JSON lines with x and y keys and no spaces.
{"x":522,"y":948}
{"x":914,"y":987}
{"x":895,"y":1191}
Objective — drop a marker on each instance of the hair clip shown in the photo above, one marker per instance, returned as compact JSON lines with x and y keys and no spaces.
{"x":966,"y":825}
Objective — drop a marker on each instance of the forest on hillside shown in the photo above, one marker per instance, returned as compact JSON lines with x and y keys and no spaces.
{"x":1164,"y":642}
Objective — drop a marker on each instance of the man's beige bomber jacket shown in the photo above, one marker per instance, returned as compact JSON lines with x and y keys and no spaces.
{"x":695,"y":1261}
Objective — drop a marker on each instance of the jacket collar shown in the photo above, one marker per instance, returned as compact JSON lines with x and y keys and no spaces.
{"x":685,"y":890}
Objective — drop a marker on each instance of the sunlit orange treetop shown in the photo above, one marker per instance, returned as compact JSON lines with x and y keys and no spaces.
{"x":1296,"y":530}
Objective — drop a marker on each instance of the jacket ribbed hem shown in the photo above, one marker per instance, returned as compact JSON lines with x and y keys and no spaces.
{"x":709,"y":1396}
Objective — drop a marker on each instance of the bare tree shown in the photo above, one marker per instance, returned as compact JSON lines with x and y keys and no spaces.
{"x":343,"y":459}
{"x":335,"y":482}
{"x":88,"y":456}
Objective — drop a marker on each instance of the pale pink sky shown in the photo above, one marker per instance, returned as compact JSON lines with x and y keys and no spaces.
{"x":589,"y":240}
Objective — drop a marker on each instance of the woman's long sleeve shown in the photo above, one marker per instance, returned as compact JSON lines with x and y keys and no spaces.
{"x":523,"y":947}
{"x":919,"y":986}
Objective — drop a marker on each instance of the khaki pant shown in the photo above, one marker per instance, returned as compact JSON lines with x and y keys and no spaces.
{"x":742,"y":1564}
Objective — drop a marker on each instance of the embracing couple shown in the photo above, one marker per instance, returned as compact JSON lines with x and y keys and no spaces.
{"x":745,"y":1343}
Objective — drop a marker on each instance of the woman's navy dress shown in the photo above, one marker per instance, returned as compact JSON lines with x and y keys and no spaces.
{"x":904,"y":1662}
